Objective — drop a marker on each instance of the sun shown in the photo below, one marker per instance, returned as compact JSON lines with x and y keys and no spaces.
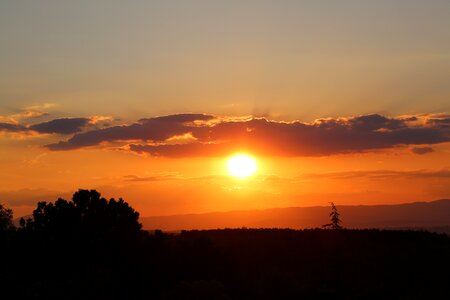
{"x":241,"y":165}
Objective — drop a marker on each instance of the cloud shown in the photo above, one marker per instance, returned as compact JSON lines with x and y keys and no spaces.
{"x":154,"y":129}
{"x":56,"y":126}
{"x":216,"y":136}
{"x":156,"y":177}
{"x":26,"y":114}
{"x":61,"y":126}
{"x":422,"y":150}
{"x":99,"y":119}
{"x":444,"y":122}
{"x":383,"y":174}
{"x":30,"y":114}
{"x":41,"y":106}
{"x":11,"y":127}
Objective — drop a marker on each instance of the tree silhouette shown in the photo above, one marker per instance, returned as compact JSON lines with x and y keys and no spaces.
{"x":6,"y":218}
{"x":93,"y":248}
{"x":334,"y":218}
{"x":86,"y":215}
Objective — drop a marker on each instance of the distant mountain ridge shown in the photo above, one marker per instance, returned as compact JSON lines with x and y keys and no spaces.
{"x":434,"y":216}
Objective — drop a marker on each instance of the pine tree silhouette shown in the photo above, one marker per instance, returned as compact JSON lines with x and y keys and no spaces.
{"x":334,"y":218}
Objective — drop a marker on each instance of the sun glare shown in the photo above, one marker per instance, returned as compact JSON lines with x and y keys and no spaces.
{"x":241,"y":165}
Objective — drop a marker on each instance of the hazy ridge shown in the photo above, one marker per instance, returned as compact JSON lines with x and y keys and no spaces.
{"x":433,"y":216}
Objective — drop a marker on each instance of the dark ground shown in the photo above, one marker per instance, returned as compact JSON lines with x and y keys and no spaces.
{"x":93,"y":248}
{"x":231,"y":264}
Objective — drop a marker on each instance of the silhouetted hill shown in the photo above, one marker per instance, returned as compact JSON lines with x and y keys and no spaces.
{"x":434,"y":216}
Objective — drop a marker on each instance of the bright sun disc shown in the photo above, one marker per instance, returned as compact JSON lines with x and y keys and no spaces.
{"x":241,"y":165}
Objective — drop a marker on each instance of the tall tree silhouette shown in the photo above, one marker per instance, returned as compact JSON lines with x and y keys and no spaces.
{"x":334,"y":218}
{"x":87,"y":215}
{"x":89,"y":240}
{"x":6,"y":218}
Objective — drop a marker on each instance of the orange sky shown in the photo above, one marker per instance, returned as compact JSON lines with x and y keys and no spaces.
{"x":344,"y":101}
{"x":159,"y":185}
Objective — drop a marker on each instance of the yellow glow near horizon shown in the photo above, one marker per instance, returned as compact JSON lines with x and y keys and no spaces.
{"x":241,"y":165}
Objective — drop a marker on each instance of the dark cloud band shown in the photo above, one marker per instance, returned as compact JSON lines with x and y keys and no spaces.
{"x":9,"y":127}
{"x":61,"y":126}
{"x":57,"y":126}
{"x":215,"y":136}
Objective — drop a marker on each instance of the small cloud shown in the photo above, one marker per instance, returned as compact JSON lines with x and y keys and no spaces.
{"x":41,"y":106}
{"x":27,"y":114}
{"x":382,"y":174}
{"x":155,"y":177}
{"x":181,"y":139}
{"x":56,"y":126}
{"x":34,"y":160}
{"x":30,"y":114}
{"x":99,"y":119}
{"x":61,"y":126}
{"x":12,"y":127}
{"x":422,"y":150}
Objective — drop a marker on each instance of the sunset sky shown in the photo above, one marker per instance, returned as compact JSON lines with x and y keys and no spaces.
{"x":344,"y":101}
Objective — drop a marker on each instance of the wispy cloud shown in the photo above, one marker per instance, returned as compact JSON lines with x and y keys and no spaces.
{"x":383,"y":174}
{"x":41,"y":106}
{"x":422,"y":150}
{"x":153,"y":177}
{"x":26,"y":114}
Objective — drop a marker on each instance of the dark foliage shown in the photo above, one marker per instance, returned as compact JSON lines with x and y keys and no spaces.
{"x":92,"y":248}
{"x":86,"y":216}
{"x":6,"y":218}
{"x":335,"y":218}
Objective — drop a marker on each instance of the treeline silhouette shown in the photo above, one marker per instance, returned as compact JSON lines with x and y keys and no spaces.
{"x":94,"y":248}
